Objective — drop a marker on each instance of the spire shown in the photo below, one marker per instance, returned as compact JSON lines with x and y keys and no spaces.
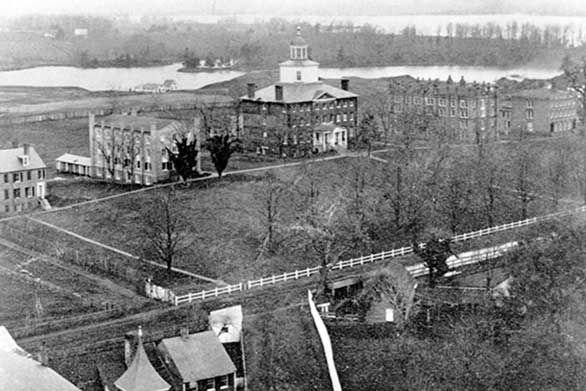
{"x":141,"y":375}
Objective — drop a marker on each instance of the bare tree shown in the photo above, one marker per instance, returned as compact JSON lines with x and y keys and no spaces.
{"x":164,"y":228}
{"x":270,"y":194}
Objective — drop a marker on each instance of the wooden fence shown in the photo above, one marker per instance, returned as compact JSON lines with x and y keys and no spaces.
{"x":417,"y":270}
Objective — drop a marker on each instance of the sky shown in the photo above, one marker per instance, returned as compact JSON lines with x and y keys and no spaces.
{"x":276,"y":7}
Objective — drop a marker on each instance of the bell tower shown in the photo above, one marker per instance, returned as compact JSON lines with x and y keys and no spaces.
{"x":299,"y":68}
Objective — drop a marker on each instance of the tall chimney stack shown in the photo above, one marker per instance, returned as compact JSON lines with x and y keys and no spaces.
{"x":345,"y":84}
{"x":250,"y":87}
{"x":26,"y":149}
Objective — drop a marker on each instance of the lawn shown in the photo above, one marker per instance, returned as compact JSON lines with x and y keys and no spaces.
{"x":226,"y":223}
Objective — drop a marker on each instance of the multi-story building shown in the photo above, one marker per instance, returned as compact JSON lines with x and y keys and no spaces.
{"x":468,"y":109}
{"x":132,"y":149}
{"x":541,"y":110}
{"x":22,"y":180}
{"x":300,"y":113}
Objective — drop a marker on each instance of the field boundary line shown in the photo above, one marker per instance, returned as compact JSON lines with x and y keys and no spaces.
{"x":124,"y":253}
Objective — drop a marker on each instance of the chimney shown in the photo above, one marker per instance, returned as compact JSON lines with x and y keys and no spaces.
{"x":26,"y":149}
{"x":184,"y":333}
{"x":278,"y":92}
{"x":345,"y":84}
{"x":250,"y":87}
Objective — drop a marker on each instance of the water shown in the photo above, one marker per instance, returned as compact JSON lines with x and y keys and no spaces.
{"x":97,"y":79}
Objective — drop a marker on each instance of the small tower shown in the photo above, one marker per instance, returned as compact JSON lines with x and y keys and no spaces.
{"x":299,"y":68}
{"x":141,"y":375}
{"x":298,"y":47}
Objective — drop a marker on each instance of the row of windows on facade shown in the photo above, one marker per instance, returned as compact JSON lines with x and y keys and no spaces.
{"x":19,"y":207}
{"x":316,"y":106}
{"x":443,"y":112}
{"x":344,"y":117}
{"x":294,"y":139}
{"x":442,"y":102}
{"x":19,"y":176}
{"x":29,"y":192}
{"x":147,"y":166}
{"x":120,"y":175}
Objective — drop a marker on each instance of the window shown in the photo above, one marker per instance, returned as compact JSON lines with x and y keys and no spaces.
{"x":298,"y":52}
{"x":351,"y":103}
{"x":464,"y":113}
{"x":6,"y":194}
{"x":463,"y":103}
{"x":442,"y":102}
{"x":7,"y":208}
{"x":147,"y":166}
{"x":16,"y":193}
{"x":6,"y":180}
{"x":223,"y":382}
{"x":298,"y":75}
{"x":529,"y":103}
{"x":15,"y":177}
{"x":530,"y":114}
{"x":442,"y":112}
{"x":453,"y":102}
{"x":28,"y":175}
{"x":337,"y":117}
{"x":452,"y":112}
{"x":344,"y":117}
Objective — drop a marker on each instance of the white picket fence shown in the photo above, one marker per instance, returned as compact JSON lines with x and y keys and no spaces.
{"x":217,"y":291}
{"x":417,"y":270}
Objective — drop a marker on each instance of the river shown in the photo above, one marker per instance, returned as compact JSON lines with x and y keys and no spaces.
{"x":98,"y":79}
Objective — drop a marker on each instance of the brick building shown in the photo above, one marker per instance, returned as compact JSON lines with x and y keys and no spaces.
{"x":300,"y":113}
{"x":132,"y":149}
{"x":22,"y":183}
{"x":541,"y":110}
{"x":469,"y":109}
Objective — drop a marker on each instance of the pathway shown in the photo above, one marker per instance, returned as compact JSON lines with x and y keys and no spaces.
{"x":127,"y":254}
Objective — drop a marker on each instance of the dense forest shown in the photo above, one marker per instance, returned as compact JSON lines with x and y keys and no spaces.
{"x":123,"y":43}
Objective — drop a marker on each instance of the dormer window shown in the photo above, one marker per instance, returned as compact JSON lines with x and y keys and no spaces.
{"x":24,"y":159}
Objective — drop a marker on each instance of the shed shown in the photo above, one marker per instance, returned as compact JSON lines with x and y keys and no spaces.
{"x":73,"y":164}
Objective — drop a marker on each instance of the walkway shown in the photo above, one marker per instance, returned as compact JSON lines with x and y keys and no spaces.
{"x":126,"y":254}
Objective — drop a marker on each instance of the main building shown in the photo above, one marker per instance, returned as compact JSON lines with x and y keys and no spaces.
{"x":300,"y":113}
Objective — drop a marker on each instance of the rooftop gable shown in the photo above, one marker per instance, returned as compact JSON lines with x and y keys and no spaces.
{"x":299,"y":92}
{"x":199,"y":356}
{"x":18,"y":372}
{"x":141,"y":375}
{"x":136,"y":121}
{"x":10,"y":160}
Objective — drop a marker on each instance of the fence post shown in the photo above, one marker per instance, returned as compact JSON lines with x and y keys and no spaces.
{"x":203,"y":295}
{"x":249,"y":284}
{"x":296,"y":274}
{"x":273,"y":279}
{"x":216,"y":291}
{"x":307,"y":272}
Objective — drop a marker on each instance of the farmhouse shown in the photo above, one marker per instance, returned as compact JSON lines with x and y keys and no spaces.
{"x":22,"y":183}
{"x":131,"y":148}
{"x":199,"y":361}
{"x":300,"y":113}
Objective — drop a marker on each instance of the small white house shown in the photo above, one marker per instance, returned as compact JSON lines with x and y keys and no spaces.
{"x":80,"y":32}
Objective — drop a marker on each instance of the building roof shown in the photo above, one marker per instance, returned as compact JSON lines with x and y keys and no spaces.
{"x":74,"y":159}
{"x":140,"y":375}
{"x":298,"y":39}
{"x":136,"y":121}
{"x":300,"y":92}
{"x":542,"y":94}
{"x":8,"y":344}
{"x":298,"y":63}
{"x":199,"y":356}
{"x":10,"y":161}
{"x":226,"y":323}
{"x":327,"y":127}
{"x":18,"y":372}
{"x":407,"y":85}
